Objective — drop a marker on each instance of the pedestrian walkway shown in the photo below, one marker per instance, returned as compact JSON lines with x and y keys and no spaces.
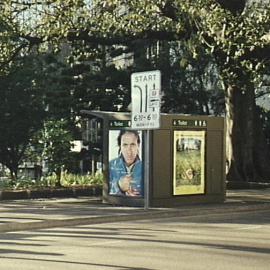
{"x":47,"y":213}
{"x":249,"y":195}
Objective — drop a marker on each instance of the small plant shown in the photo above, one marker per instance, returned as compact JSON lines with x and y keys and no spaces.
{"x":50,"y":180}
{"x":68,"y":179}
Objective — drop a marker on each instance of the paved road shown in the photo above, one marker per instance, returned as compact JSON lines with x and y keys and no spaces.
{"x":238,"y":241}
{"x":47,"y":213}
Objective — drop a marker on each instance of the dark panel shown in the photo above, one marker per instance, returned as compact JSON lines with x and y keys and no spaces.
{"x":162,"y":164}
{"x":215,"y":162}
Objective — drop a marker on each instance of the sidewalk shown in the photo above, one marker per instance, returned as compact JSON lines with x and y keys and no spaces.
{"x":20,"y":215}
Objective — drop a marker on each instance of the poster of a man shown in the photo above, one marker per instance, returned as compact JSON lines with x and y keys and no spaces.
{"x":125,"y":165}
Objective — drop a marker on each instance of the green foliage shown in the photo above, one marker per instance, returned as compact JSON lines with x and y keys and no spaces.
{"x":22,"y":183}
{"x":5,"y":183}
{"x":69,"y":179}
{"x":57,"y":145}
{"x":235,"y":34}
{"x":51,"y":181}
{"x":59,"y":87}
{"x":191,"y":86}
{"x":105,"y":88}
{"x":9,"y":39}
{"x":188,"y":168}
{"x":233,"y":39}
{"x":21,"y":110}
{"x":236,"y":37}
{"x":265,"y":118}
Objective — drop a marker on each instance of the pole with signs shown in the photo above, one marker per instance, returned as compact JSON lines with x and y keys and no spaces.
{"x":145,"y":98}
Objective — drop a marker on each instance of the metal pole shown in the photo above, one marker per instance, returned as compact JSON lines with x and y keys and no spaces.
{"x":146,"y":168}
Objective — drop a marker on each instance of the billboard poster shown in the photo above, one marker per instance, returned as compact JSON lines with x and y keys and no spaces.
{"x":125,"y":163}
{"x":189,"y":162}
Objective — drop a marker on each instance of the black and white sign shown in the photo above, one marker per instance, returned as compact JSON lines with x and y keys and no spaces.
{"x":145,"y":98}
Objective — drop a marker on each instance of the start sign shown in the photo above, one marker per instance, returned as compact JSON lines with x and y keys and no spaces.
{"x":145,"y":98}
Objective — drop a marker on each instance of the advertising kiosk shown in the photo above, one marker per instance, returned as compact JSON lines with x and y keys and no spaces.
{"x":186,"y":160}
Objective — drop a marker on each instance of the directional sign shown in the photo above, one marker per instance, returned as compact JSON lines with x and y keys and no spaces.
{"x":145,"y":98}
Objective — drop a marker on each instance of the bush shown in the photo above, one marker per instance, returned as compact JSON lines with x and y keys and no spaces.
{"x":67,"y":180}
{"x":5,"y":183}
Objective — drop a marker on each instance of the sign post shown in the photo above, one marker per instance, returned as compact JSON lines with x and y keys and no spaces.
{"x":145,"y":98}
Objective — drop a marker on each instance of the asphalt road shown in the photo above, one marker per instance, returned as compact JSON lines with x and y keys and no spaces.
{"x":211,"y":241}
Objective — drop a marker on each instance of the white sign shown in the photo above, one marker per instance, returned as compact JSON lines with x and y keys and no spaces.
{"x":145,"y":98}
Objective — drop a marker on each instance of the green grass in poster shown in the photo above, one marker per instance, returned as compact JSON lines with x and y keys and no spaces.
{"x":188,"y":167}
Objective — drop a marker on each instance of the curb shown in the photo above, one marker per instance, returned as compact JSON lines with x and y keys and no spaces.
{"x":144,"y":215}
{"x":231,"y":185}
{"x":70,"y":192}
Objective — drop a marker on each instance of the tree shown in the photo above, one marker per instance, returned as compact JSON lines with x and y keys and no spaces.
{"x":190,"y":86}
{"x":56,"y":139}
{"x":236,"y":35}
{"x":99,"y":87}
{"x":21,"y":111}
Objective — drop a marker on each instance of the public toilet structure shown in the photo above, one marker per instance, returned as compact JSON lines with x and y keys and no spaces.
{"x":186,"y":159}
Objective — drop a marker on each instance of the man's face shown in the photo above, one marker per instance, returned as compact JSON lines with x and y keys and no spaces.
{"x":129,"y":147}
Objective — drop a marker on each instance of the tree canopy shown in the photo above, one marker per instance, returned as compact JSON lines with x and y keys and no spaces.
{"x":235,"y":33}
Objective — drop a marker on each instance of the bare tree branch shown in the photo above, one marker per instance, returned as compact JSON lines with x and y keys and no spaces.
{"x":234,"y":6}
{"x":123,"y":39}
{"x":13,"y":55}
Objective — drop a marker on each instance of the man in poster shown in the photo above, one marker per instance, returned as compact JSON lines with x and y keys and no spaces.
{"x":125,"y":171}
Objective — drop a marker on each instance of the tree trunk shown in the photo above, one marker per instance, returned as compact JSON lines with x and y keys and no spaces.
{"x":13,"y":169}
{"x":13,"y":175}
{"x":58,"y":177}
{"x":248,"y":156}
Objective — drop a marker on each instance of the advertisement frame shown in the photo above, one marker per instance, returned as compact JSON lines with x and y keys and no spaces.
{"x":117,"y":167}
{"x":189,"y":171}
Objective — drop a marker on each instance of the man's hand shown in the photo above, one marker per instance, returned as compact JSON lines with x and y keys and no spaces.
{"x":125,"y":183}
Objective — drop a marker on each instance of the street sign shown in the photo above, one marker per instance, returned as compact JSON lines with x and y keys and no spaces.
{"x":118,"y":124}
{"x":189,"y":123}
{"x":145,"y":98}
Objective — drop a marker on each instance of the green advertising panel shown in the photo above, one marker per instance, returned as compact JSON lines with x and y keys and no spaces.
{"x":188,"y":162}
